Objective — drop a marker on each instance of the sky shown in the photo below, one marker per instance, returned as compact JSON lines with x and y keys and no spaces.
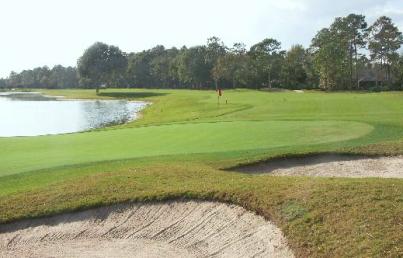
{"x":50,"y":32}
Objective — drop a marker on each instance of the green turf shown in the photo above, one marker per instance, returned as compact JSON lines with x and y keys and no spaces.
{"x":192,"y":122}
{"x":177,"y":148}
{"x":41,"y":152}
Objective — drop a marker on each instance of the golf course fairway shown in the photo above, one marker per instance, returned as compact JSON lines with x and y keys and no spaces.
{"x":184,"y":142}
{"x":175,"y":139}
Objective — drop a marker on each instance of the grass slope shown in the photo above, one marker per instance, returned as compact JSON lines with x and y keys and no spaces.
{"x":177,"y":148}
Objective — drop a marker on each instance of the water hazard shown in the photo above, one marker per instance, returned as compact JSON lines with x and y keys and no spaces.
{"x":33,"y":114}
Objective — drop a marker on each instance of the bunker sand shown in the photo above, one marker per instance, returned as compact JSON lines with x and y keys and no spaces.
{"x":329,"y":166}
{"x":170,"y":229}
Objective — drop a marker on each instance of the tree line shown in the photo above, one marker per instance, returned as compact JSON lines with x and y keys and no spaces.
{"x":42,"y":77}
{"x":348,"y":55}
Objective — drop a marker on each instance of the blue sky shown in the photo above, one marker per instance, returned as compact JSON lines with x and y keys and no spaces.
{"x":49,"y":32}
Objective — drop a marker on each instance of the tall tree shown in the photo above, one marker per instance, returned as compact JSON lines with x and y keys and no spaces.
{"x":3,"y":83}
{"x":229,"y":66}
{"x":293,"y":71}
{"x":337,"y":51}
{"x":139,"y":70}
{"x":101,"y":63}
{"x":14,"y":80}
{"x":160,"y":66}
{"x":192,"y":67}
{"x":384,"y":41}
{"x":351,"y":31}
{"x":399,"y":72}
{"x":28,"y":79}
{"x":63,"y":77}
{"x":215,"y":49}
{"x":265,"y":54}
{"x":330,"y":55}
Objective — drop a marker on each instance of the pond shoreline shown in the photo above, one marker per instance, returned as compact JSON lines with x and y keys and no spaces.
{"x":30,"y":114}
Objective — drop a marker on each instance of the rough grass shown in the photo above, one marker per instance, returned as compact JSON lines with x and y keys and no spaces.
{"x":320,"y":217}
{"x":183,"y":140}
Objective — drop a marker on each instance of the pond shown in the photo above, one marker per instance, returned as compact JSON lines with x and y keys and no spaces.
{"x":33,"y":114}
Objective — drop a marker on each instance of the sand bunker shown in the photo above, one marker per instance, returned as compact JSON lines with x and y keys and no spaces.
{"x":330,"y":166}
{"x":172,"y":229}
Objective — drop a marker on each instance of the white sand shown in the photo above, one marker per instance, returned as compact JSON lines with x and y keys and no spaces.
{"x":172,"y":229}
{"x":331,"y":166}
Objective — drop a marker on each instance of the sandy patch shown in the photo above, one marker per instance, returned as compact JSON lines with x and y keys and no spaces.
{"x":330,"y":166}
{"x":172,"y":229}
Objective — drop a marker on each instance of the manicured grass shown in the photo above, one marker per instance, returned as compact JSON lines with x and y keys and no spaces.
{"x":177,"y":148}
{"x":188,"y":122}
{"x":174,"y":139}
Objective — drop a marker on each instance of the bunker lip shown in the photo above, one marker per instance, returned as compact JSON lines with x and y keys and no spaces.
{"x":327,"y":165}
{"x":175,"y":228}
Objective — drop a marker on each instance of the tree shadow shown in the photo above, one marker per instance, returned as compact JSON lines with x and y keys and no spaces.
{"x":130,"y":95}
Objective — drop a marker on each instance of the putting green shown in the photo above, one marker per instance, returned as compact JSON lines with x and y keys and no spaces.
{"x":49,"y":151}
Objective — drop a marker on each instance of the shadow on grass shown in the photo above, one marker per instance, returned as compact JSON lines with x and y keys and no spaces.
{"x":127,"y":95}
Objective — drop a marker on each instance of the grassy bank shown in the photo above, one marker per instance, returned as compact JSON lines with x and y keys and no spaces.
{"x":183,"y":140}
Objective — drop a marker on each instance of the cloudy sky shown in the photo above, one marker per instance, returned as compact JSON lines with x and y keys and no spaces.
{"x":49,"y":32}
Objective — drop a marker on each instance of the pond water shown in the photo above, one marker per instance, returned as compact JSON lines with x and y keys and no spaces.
{"x":32,"y":114}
